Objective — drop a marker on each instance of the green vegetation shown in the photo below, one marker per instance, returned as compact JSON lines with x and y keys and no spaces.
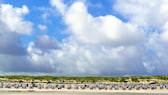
{"x":89,"y":79}
{"x":134,"y":79}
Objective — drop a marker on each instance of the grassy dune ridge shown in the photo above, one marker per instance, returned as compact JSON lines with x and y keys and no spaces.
{"x":88,"y":79}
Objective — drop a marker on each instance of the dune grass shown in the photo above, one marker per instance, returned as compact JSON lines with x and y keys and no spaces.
{"x":88,"y":79}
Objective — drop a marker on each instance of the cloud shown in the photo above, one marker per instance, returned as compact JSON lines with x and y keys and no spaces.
{"x":103,"y":29}
{"x":42,"y":27}
{"x":46,"y":42}
{"x":12,"y":18}
{"x":157,"y":53}
{"x":164,"y":34}
{"x":151,"y":16}
{"x":59,"y":5}
{"x":10,"y":63}
{"x":147,"y":14}
{"x":11,"y":45}
{"x":77,"y":59}
{"x":40,"y":59}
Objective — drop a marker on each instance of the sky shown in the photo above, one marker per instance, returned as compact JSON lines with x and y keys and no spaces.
{"x":84,"y":37}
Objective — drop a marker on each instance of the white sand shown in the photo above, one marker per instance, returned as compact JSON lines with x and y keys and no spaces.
{"x":85,"y":90}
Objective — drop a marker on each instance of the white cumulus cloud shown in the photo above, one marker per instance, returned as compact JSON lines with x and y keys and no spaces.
{"x":103,"y":29}
{"x":13,"y":19}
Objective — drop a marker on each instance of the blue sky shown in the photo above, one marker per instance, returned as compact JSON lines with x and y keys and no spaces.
{"x":37,"y":8}
{"x":84,"y":37}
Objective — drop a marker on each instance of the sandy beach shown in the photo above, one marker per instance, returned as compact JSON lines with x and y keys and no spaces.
{"x":99,"y":88}
{"x":98,"y":91}
{"x":79,"y":92}
{"x":64,"y":90}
